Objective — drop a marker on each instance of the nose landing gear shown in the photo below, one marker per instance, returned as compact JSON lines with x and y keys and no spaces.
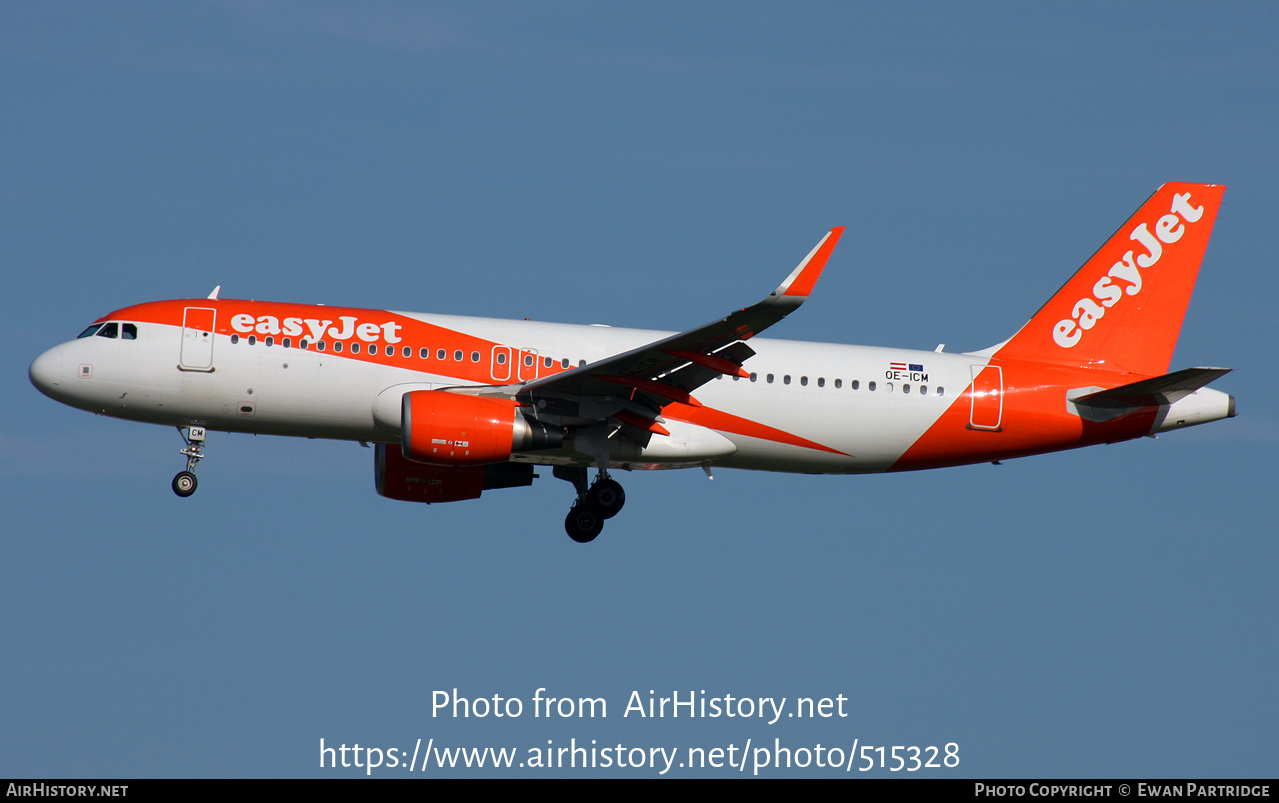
{"x":184,"y":482}
{"x":603,"y":500}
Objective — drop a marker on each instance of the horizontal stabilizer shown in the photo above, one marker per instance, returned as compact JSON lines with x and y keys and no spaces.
{"x":1155,"y":392}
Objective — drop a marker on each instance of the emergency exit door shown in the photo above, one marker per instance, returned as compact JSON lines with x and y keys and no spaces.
{"x":987,"y":396}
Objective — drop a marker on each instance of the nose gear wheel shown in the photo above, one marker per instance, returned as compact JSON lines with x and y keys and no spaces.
{"x":184,"y":482}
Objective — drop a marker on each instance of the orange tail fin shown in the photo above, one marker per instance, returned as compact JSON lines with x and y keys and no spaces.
{"x":1123,"y":309}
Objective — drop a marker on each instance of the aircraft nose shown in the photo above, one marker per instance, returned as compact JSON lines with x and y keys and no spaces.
{"x":46,"y":372}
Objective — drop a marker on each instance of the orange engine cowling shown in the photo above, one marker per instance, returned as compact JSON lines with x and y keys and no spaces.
{"x":449,"y":429}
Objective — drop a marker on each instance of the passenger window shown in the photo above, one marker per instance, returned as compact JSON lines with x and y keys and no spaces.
{"x":839,"y":383}
{"x":821,"y":381}
{"x":548,"y":361}
{"x":319,"y":345}
{"x":337,"y":347}
{"x":581,"y":363}
{"x":355,"y":349}
{"x":109,"y":330}
{"x":128,"y":331}
{"x":941,"y":391}
{"x":441,"y":355}
{"x":390,"y":351}
{"x":564,"y":362}
{"x":923,"y":390}
{"x":803,"y":380}
{"x":407,"y":351}
{"x":302,"y":344}
{"x":786,"y":379}
{"x":528,"y":360}
{"x":870,"y":386}
{"x":769,"y":379}
{"x":253,"y":340}
{"x":856,"y":384}
{"x":235,"y":339}
{"x":754,"y":376}
{"x":475,"y":356}
{"x":270,"y":341}
{"x":905,"y":388}
{"x":424,"y":353}
{"x":457,"y":356}
{"x":288,"y":342}
{"x":90,"y":331}
{"x":501,"y":358}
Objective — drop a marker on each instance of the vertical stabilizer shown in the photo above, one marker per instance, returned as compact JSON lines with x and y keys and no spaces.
{"x":1123,"y":309}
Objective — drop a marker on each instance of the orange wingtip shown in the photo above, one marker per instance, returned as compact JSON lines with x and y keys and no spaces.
{"x":801,"y":281}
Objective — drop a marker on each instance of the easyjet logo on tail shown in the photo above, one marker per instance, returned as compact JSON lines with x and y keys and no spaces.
{"x":1124,"y":277}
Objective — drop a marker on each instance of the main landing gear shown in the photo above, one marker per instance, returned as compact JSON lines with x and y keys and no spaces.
{"x":184,"y":482}
{"x":602,"y":500}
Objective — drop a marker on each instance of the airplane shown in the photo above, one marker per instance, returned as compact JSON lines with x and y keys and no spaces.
{"x":455,"y":406}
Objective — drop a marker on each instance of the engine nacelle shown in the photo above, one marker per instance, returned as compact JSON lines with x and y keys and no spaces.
{"x":449,"y":429}
{"x":400,"y":478}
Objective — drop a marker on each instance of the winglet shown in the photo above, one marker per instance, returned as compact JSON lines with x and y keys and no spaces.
{"x":801,"y":280}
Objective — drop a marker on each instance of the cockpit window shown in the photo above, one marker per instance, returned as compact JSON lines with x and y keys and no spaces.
{"x":113,"y":329}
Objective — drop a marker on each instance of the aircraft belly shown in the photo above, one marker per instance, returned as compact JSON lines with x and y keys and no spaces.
{"x":688,"y":444}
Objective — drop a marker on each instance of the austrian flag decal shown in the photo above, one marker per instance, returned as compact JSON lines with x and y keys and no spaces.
{"x":910,"y":371}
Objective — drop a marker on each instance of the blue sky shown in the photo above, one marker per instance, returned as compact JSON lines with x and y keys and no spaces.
{"x":1109,"y":611}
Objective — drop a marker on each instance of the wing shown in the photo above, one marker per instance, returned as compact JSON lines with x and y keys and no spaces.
{"x":632,"y":387}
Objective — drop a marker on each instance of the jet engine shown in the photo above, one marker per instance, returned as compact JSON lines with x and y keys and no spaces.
{"x":403,"y":479}
{"x":449,"y":429}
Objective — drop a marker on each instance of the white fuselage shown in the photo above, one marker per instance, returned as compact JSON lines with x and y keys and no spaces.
{"x":847,"y":398}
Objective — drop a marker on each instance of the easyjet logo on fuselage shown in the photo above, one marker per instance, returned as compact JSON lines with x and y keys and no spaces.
{"x":317,"y":329}
{"x":1106,"y":293}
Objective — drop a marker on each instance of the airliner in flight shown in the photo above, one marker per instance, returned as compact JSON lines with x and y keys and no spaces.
{"x":455,"y":406}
